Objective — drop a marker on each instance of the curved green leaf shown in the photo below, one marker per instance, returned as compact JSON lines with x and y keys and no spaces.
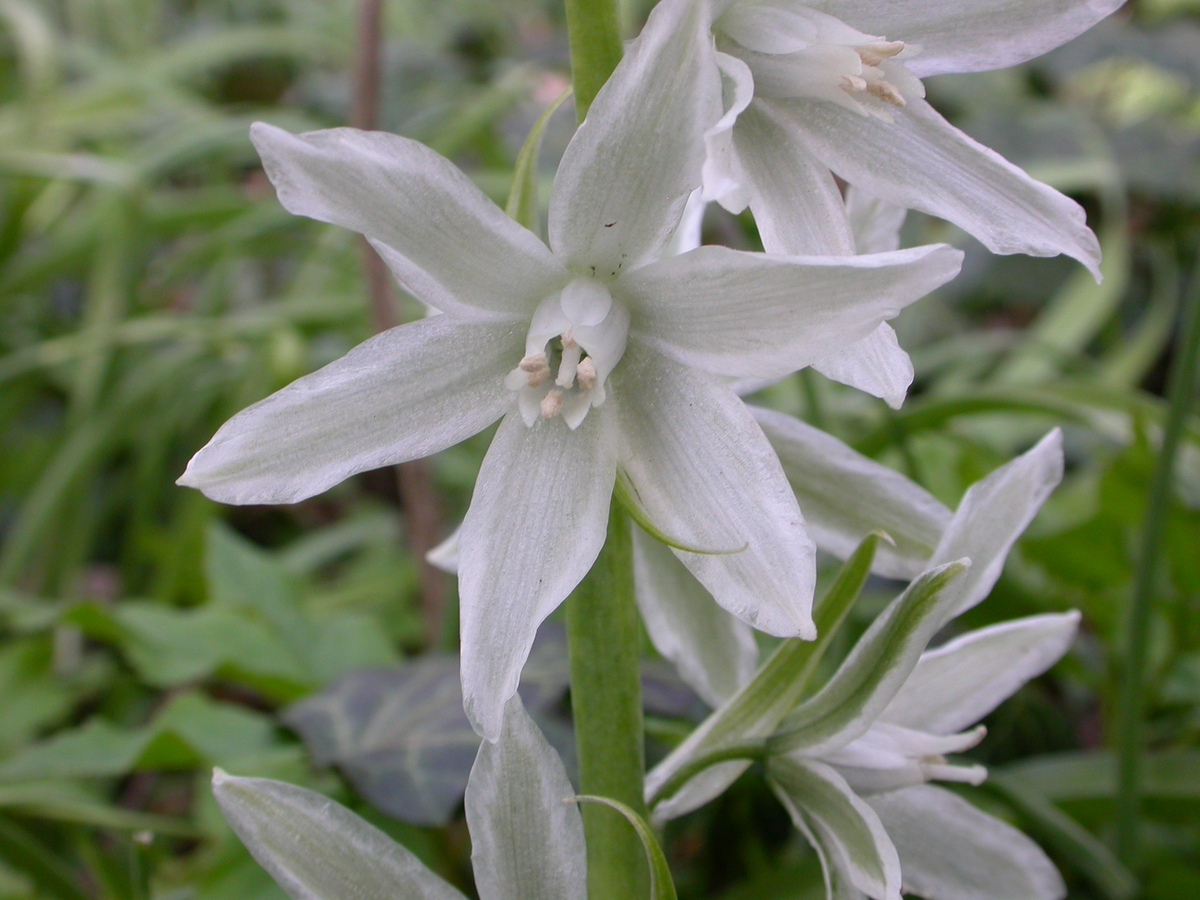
{"x":661,"y":885}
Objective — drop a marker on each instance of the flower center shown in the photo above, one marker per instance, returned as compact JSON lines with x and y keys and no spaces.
{"x":796,"y":52}
{"x":576,"y":338}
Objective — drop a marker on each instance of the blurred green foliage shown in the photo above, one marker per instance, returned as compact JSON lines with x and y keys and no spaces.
{"x":150,"y":286}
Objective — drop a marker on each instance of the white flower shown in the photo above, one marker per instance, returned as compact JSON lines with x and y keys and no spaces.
{"x":860,"y":795}
{"x":596,"y":355}
{"x":851,"y":762}
{"x":526,"y":843}
{"x":835,"y":85}
{"x":990,"y":517}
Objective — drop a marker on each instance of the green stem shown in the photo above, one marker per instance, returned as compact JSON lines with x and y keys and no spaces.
{"x":1130,"y":713}
{"x":604,"y":636}
{"x":594,"y":32}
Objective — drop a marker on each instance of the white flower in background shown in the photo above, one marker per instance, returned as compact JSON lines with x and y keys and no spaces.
{"x":526,"y":843}
{"x":596,"y":355}
{"x":858,"y":791}
{"x":835,"y":85}
{"x":852,"y":761}
{"x":716,"y":654}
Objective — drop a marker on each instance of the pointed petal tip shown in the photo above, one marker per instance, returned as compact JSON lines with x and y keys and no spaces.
{"x":220,"y":776}
{"x":264,"y":133}
{"x":1049,"y":450}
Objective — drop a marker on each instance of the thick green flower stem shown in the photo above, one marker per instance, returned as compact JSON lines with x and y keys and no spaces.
{"x":1130,"y":714}
{"x":594,"y":31}
{"x":604,"y":636}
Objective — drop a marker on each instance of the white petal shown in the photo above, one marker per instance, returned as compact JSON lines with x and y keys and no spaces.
{"x":992,"y":515}
{"x":876,"y":365}
{"x":888,"y":757}
{"x":707,"y":477}
{"x":761,"y":315}
{"x":845,"y":496}
{"x":688,"y":235}
{"x":722,"y":175}
{"x":848,"y":831}
{"x":972,"y":37}
{"x":445,"y":555}
{"x":796,"y":203}
{"x":876,"y":223}
{"x":403,"y":394}
{"x":452,"y":247}
{"x":317,"y":849}
{"x":536,"y":523}
{"x":627,"y":173}
{"x":714,"y":652}
{"x":962,"y":681}
{"x":921,"y":161}
{"x":526,"y":842}
{"x":949,"y":850}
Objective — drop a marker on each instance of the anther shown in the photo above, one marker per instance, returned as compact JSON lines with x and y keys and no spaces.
{"x":853,"y":84}
{"x":551,"y":404}
{"x":874,"y":53}
{"x":886,"y":91}
{"x":536,"y":369}
{"x":586,"y":373}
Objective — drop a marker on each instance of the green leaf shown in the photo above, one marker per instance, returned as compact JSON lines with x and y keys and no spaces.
{"x":242,"y":577}
{"x":25,"y":852}
{"x":62,"y":801}
{"x":522,"y":206}
{"x":758,"y":708}
{"x":317,"y":849}
{"x":190,"y":730}
{"x":661,"y":885}
{"x":1092,"y":775}
{"x":170,"y":647}
{"x":874,"y":671}
{"x":96,"y":748}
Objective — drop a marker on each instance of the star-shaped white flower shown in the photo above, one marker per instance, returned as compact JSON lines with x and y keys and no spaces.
{"x":717,"y":655}
{"x":526,"y":842}
{"x":814,"y":88}
{"x":851,"y":763}
{"x":835,"y":85}
{"x":859,"y":792}
{"x":597,"y":355}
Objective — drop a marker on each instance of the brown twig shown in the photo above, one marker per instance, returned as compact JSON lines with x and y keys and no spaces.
{"x":418,"y":496}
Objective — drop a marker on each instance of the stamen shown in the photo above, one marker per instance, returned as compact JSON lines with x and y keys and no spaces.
{"x":536,"y":367}
{"x":552,"y":404}
{"x":586,"y":373}
{"x":886,"y":91}
{"x":874,"y":53}
{"x":852,"y":84}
